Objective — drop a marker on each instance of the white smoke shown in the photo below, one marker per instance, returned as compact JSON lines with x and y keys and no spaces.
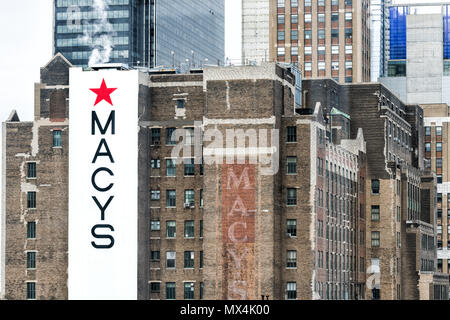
{"x":99,"y":35}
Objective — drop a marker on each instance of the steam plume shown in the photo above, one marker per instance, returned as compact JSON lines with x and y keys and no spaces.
{"x":99,"y":35}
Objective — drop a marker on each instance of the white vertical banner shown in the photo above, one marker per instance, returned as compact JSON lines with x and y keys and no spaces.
{"x":103,"y":185}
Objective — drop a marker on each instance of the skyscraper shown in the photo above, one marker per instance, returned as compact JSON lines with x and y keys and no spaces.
{"x":378,"y":15}
{"x":328,"y":39}
{"x":145,"y":33}
{"x":417,"y":52}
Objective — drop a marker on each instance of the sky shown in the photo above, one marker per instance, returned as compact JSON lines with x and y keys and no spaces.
{"x":26,"y":33}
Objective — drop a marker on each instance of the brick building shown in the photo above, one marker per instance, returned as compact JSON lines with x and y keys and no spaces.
{"x":302,"y":216}
{"x":328,"y":39}
{"x":400,"y":196}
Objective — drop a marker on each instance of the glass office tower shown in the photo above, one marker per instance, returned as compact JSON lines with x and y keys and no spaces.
{"x":146,"y":33}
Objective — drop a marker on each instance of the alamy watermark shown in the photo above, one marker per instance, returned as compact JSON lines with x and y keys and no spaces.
{"x":229,"y":146}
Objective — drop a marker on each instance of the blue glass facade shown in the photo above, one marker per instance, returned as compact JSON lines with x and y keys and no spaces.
{"x":197,"y":26}
{"x":446,"y":32}
{"x":397,"y":35}
{"x":139,"y":32}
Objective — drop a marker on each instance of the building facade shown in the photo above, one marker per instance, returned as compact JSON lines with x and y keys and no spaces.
{"x":400,"y":201}
{"x":140,"y":33}
{"x":417,"y":50}
{"x":241,"y":193}
{"x":378,"y":32}
{"x":436,"y":149}
{"x":328,"y":39}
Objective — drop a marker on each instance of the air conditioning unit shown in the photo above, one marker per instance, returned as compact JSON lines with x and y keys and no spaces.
{"x":192,"y":205}
{"x":187,"y":205}
{"x":157,"y":143}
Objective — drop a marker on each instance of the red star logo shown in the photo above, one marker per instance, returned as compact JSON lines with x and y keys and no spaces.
{"x":103,"y":93}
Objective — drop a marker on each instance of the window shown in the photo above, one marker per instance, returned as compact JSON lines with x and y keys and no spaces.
{"x":438,"y":146}
{"x":321,"y":17}
{"x":171,"y":169}
{"x":428,"y":131}
{"x":171,"y":229}
{"x":31,"y":171}
{"x":294,"y":51}
{"x":335,"y":17}
{"x":321,"y":3}
{"x":31,"y":290}
{"x":189,"y":167}
{"x":201,"y":291}
{"x":321,"y":65}
{"x":321,"y":50}
{"x":439,"y":163}
{"x":155,"y":195}
{"x":439,"y":178}
{"x":189,"y":198}
{"x":170,"y":136}
{"x":31,"y":260}
{"x":348,"y":49}
{"x":396,"y":68}
{"x":321,"y":34}
{"x":201,"y":198}
{"x":291,"y":228}
{"x":348,"y":16}
{"x":171,"y":257}
{"x":281,"y":51}
{"x":308,"y":50}
{"x":308,"y":66}
{"x":280,"y":3}
{"x":201,"y":228}
{"x":189,"y":229}
{"x":31,"y":230}
{"x":281,"y":19}
{"x":280,"y":36}
{"x":189,"y":259}
{"x":188,"y":290}
{"x":155,"y":255}
{"x":291,"y":134}
{"x":375,"y":213}
{"x":156,"y":136}
{"x":291,"y":164}
{"x":201,"y":259}
{"x":291,"y":291}
{"x":335,"y":35}
{"x":171,"y":198}
{"x":57,"y":138}
{"x":308,"y":34}
{"x":308,"y":17}
{"x":155,"y":225}
{"x":189,"y":136}
{"x":156,"y":163}
{"x":155,"y":287}
{"x":428,"y":147}
{"x":334,"y":49}
{"x":375,"y":239}
{"x":307,"y":3}
{"x":438,"y":131}
{"x":348,"y":32}
{"x":180,"y":103}
{"x":291,"y":197}
{"x":170,"y":291}
{"x":294,"y":35}
{"x":294,"y":18}
{"x":335,"y":65}
{"x":291,"y":259}
{"x":31,"y":200}
{"x":375,"y":186}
